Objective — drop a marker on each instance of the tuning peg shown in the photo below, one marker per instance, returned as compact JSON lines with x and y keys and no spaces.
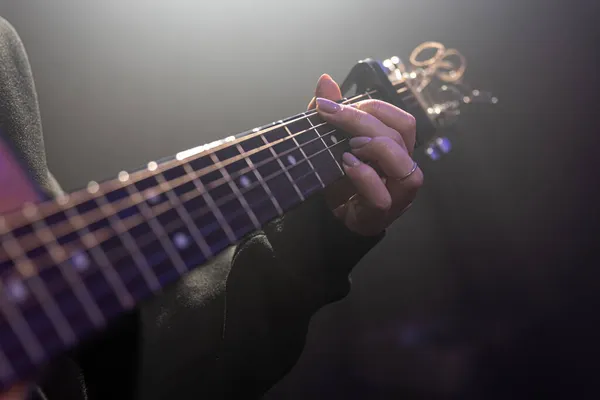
{"x":392,"y":64}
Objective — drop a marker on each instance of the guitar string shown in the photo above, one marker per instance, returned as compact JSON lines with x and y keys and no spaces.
{"x":327,"y":148}
{"x":227,"y":199}
{"x":187,"y":179}
{"x":174,"y":183}
{"x":96,"y":214}
{"x":58,"y":290}
{"x":172,"y":164}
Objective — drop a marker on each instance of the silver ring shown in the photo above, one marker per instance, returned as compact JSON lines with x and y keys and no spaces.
{"x":412,"y":171}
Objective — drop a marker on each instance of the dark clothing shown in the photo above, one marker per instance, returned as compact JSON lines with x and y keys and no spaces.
{"x":231,"y":328}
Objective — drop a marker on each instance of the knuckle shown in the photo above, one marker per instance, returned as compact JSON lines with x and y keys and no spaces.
{"x":384,"y":203}
{"x":411,"y":122}
{"x":369,"y":106}
{"x":385,"y":146}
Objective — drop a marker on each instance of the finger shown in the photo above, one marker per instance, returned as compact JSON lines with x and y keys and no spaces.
{"x":327,"y":88}
{"x":367,"y":183}
{"x":394,"y":117}
{"x":354,"y":121}
{"x":393,"y":160}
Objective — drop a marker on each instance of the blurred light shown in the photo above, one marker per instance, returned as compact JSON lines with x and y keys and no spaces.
{"x":395,"y":60}
{"x":444,"y":144}
{"x":433,"y":153}
{"x":123,"y":176}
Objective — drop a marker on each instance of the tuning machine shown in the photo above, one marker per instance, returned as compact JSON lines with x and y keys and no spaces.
{"x":434,"y":81}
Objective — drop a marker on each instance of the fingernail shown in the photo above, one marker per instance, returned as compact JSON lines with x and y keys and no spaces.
{"x":350,"y":160}
{"x":327,"y":106}
{"x":359,"y":141}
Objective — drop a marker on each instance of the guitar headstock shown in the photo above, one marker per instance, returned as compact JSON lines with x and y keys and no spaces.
{"x":434,"y":75}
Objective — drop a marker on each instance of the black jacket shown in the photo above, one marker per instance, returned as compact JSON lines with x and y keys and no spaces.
{"x":231,"y":328}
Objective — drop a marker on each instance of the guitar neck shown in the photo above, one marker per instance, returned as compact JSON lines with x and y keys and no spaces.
{"x":73,"y":264}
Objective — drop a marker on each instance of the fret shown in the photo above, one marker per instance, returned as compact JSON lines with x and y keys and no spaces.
{"x":101,"y":282}
{"x":28,"y":276}
{"x":174,"y":195}
{"x":267,"y":138}
{"x":20,"y":335}
{"x":207,"y":209}
{"x":79,"y":297}
{"x":156,"y":228}
{"x":316,"y":149}
{"x":245,"y":180}
{"x":125,"y":240}
{"x":306,"y":158}
{"x":227,"y":203}
{"x":300,"y":170}
{"x":276,"y":177}
{"x":330,"y":141}
{"x":335,"y":141}
{"x":255,"y":194}
{"x":118,"y":298}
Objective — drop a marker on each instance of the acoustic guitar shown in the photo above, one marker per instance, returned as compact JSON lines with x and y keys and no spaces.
{"x":69,"y":266}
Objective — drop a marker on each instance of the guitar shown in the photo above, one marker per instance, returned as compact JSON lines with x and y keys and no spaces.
{"x":71,"y":265}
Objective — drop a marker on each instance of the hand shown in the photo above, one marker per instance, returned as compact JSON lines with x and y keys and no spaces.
{"x":383,"y":136}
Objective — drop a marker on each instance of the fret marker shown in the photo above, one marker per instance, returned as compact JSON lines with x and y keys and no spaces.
{"x":80,"y":260}
{"x":291,"y":159}
{"x":29,"y":210}
{"x":153,"y":197}
{"x":334,"y":139}
{"x":152,"y":165}
{"x":255,"y":130}
{"x":181,"y":241}
{"x":245,"y":181}
{"x":63,"y":199}
{"x":17,"y":291}
{"x":93,"y":187}
{"x":123,"y":176}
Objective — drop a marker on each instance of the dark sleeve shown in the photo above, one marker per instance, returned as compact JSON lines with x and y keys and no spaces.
{"x":279,"y":279}
{"x":19,"y":112}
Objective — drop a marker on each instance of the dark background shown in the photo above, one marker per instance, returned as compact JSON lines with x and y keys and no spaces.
{"x":488,"y":287}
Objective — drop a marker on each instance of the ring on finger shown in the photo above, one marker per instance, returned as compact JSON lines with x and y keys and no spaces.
{"x":405,"y":177}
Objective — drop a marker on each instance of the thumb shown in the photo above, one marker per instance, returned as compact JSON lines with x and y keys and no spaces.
{"x":327,"y":88}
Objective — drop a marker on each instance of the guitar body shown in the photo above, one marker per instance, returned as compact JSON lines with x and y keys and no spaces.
{"x":16,"y":187}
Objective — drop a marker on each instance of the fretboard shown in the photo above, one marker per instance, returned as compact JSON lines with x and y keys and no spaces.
{"x":71,"y":265}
